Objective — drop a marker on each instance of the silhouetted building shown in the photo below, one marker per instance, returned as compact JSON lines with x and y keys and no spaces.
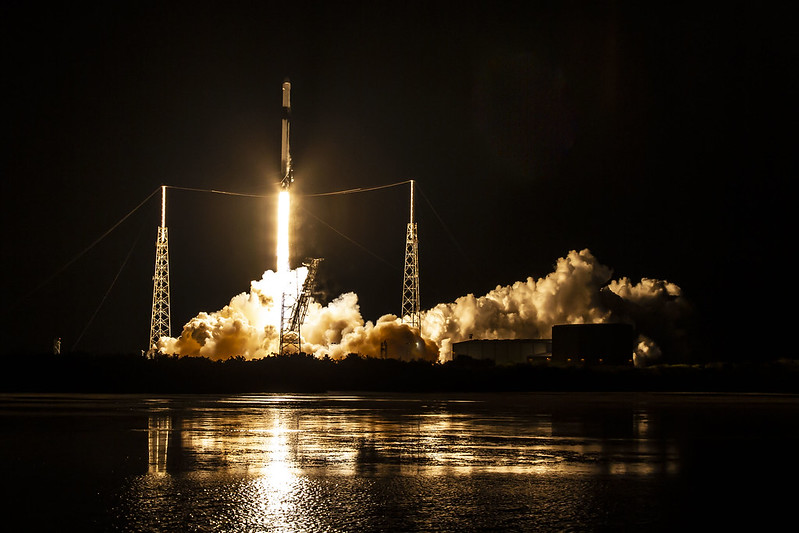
{"x":504,"y":351}
{"x":592,"y":344}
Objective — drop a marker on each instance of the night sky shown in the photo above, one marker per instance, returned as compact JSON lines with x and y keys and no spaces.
{"x":658,"y":138}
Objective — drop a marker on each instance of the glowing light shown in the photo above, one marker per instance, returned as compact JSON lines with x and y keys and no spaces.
{"x":158,"y":429}
{"x":250,"y":324}
{"x":283,"y":211}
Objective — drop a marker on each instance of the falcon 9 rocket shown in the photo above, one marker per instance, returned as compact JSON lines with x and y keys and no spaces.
{"x":287,"y":174}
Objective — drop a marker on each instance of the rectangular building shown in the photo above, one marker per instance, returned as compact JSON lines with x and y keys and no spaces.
{"x":593,"y":344}
{"x":504,"y":351}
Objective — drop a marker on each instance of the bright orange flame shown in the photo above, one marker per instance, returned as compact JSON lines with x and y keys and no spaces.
{"x":283,"y":210}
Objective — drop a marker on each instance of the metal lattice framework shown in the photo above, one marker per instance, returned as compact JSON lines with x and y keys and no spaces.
{"x":160,"y":322}
{"x":293,"y":314}
{"x":289,"y":339}
{"x":410,"y":283}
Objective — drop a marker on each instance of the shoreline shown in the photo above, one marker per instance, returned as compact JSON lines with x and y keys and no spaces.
{"x":306,"y":374}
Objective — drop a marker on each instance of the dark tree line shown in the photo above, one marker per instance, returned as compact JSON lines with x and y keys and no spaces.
{"x":304,"y":373}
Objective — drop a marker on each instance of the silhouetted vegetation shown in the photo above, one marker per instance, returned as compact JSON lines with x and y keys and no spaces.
{"x":303,"y":373}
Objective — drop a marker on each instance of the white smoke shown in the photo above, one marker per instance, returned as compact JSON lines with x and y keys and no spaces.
{"x":248,"y":326}
{"x":527,"y":309}
{"x":338,"y":329}
{"x":578,"y":291}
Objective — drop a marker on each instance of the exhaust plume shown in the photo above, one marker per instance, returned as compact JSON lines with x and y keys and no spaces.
{"x":578,"y":291}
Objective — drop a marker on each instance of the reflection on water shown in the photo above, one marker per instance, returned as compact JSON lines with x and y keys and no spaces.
{"x":398,"y":463}
{"x":282,"y":437}
{"x":159,"y":427}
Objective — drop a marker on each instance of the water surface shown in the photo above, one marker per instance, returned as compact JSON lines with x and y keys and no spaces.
{"x":347,"y":462}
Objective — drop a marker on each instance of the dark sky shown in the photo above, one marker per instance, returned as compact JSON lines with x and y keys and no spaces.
{"x":657,"y":137}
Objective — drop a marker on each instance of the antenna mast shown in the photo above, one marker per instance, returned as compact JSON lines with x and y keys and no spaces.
{"x":160,"y":323}
{"x":410,"y":284}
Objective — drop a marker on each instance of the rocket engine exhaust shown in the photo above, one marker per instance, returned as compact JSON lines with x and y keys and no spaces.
{"x":579,"y":291}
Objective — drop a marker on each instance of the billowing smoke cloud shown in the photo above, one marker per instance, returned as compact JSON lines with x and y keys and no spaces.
{"x":248,"y":326}
{"x":527,"y":309}
{"x":579,"y":291}
{"x":338,"y":329}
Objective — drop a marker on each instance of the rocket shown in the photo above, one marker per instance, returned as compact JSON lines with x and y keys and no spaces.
{"x":287,"y":174}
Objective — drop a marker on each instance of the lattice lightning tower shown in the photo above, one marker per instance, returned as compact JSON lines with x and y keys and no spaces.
{"x":410,"y":284}
{"x":160,"y":324}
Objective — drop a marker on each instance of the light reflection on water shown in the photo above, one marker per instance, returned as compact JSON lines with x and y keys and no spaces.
{"x":291,"y":435}
{"x":285,"y":458}
{"x":158,"y":429}
{"x":395,"y":462}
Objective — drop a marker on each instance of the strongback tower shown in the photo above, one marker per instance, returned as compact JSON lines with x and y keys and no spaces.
{"x":160,"y":324}
{"x":410,"y":284}
{"x":290,"y":336}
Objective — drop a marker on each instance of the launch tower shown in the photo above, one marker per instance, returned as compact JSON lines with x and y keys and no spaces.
{"x":410,"y":284}
{"x":290,"y":338}
{"x":160,"y":324}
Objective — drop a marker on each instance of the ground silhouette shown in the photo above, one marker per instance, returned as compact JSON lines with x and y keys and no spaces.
{"x":127,"y":373}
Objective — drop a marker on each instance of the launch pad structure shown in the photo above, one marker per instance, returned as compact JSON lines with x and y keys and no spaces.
{"x":294,"y":300}
{"x":160,"y":320}
{"x":410,"y":282}
{"x":293,"y":316}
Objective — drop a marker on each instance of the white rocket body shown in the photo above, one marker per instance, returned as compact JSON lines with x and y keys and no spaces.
{"x":287,"y":175}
